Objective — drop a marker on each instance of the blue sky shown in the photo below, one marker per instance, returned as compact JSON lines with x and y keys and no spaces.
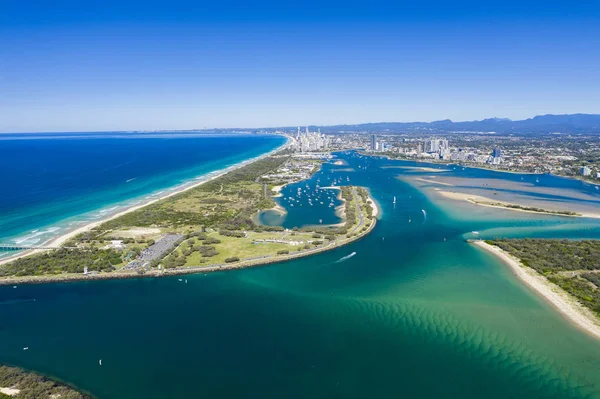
{"x":128,"y":65}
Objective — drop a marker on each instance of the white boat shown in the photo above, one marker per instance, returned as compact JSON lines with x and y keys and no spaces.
{"x":475,"y":232}
{"x":394,"y":199}
{"x":26,"y":348}
{"x":100,"y":362}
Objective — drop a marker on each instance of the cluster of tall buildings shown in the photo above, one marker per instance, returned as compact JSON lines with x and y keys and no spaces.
{"x":377,"y":146}
{"x":436,"y":146}
{"x":311,"y":141}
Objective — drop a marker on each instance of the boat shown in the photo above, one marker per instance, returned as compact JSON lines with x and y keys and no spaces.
{"x":394,"y":199}
{"x":26,"y":348}
{"x":100,"y":362}
{"x":475,"y":232}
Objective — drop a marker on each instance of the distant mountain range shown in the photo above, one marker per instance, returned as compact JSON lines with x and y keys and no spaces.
{"x":574,"y":123}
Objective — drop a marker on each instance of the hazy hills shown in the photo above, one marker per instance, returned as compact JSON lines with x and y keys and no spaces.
{"x":574,"y":123}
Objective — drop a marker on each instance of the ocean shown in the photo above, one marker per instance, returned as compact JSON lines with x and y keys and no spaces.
{"x":54,"y":182}
{"x":417,"y":312}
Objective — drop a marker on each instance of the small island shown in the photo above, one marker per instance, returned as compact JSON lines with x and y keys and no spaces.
{"x":209,"y":227}
{"x":564,"y":272}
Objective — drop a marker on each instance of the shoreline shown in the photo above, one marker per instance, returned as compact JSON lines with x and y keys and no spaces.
{"x":559,"y":299}
{"x":482,"y":201}
{"x":66,"y":236}
{"x":67,"y":278}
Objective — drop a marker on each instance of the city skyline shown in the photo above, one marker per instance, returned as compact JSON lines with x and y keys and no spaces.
{"x":146,"y":66}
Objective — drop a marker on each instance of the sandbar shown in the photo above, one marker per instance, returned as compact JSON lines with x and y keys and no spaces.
{"x":491,"y":203}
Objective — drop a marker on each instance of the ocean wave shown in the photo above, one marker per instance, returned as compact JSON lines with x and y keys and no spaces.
{"x":35,"y":236}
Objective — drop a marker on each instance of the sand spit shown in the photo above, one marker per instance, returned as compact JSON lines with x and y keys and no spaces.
{"x":556,"y":296}
{"x":416,"y":168}
{"x":491,"y":203}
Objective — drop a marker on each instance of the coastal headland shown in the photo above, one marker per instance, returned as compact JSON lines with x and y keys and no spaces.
{"x":205,"y":227}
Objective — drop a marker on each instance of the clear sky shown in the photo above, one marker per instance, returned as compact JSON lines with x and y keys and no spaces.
{"x":128,"y":65}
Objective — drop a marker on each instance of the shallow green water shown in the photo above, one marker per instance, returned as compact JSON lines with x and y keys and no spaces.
{"x":410,"y":315}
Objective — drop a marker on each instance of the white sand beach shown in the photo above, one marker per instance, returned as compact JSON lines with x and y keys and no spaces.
{"x":490,"y":203}
{"x":579,"y":315}
{"x":60,"y":240}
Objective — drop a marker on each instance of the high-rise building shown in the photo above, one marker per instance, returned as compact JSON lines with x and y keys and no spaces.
{"x":497,"y":153}
{"x":586,"y":171}
{"x":436,"y":145}
{"x":373,"y":143}
{"x":311,"y":141}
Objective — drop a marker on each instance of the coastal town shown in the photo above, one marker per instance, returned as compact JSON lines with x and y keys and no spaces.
{"x":561,"y":154}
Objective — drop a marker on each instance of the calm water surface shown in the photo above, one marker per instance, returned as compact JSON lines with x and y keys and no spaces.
{"x":410,"y":315}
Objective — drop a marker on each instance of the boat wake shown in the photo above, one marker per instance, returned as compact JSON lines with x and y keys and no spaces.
{"x":16,"y":301}
{"x":345,"y":257}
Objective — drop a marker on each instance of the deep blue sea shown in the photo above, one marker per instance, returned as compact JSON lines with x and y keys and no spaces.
{"x":58,"y":181}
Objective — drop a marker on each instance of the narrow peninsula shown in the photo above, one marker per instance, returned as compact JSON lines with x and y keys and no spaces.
{"x":209,"y":227}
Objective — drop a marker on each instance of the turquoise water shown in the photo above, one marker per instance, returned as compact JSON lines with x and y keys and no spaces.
{"x":410,"y":315}
{"x":58,"y":181}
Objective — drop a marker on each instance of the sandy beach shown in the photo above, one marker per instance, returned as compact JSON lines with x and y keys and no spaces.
{"x":488,"y":202}
{"x":556,"y":296}
{"x":60,"y":240}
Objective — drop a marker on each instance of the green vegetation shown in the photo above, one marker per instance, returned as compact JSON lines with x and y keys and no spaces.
{"x":526,"y":208}
{"x":63,"y":260}
{"x":215,"y":221}
{"x":33,"y":386}
{"x":228,"y":202}
{"x":572,"y":265}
